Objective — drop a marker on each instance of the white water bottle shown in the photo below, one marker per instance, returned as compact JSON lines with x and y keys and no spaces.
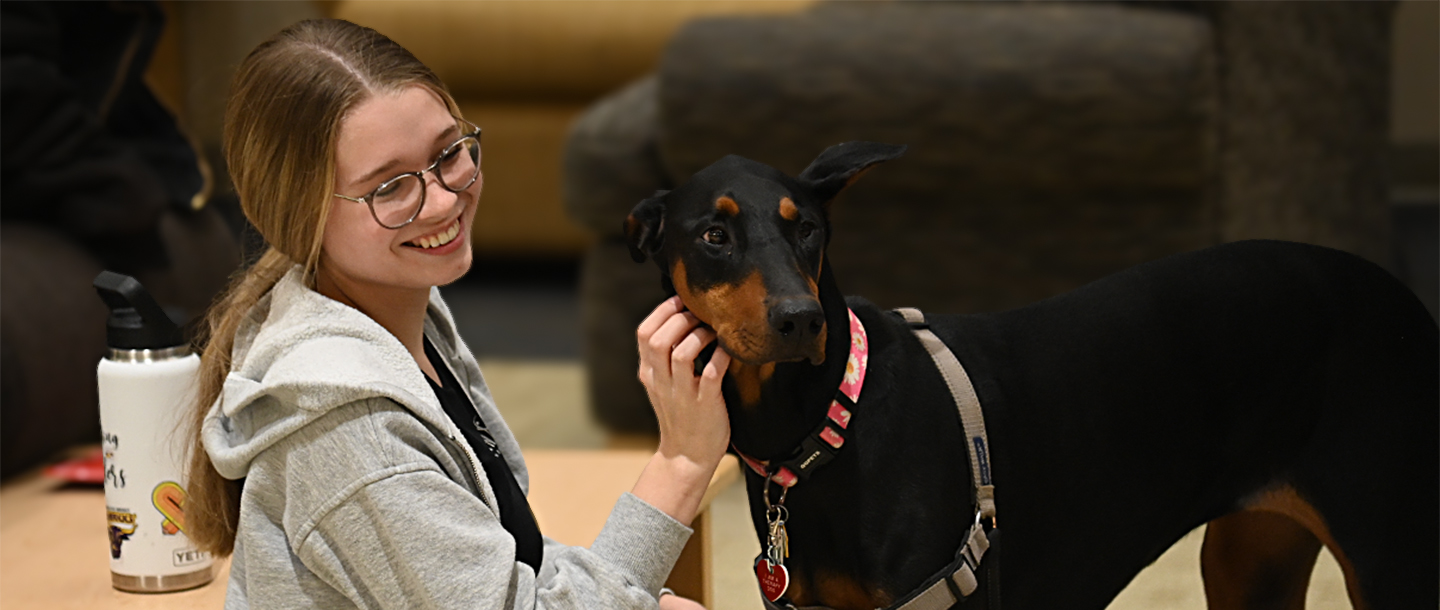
{"x":147,"y":385}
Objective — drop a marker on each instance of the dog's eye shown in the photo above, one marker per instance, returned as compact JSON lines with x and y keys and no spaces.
{"x":806,"y":229}
{"x":716,"y":236}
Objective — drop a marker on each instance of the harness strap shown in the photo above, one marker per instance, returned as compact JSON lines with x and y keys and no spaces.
{"x":959,"y":580}
{"x":971,"y":416}
{"x":955,"y":582}
{"x":948,"y":587}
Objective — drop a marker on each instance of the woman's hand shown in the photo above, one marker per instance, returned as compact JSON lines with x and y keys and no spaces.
{"x":671,"y":601}
{"x":691,"y":411}
{"x":694,"y":427}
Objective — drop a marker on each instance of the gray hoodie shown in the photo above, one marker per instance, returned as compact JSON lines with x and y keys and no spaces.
{"x":361,"y":492}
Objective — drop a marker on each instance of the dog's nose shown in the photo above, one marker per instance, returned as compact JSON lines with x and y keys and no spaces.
{"x":797,"y":318}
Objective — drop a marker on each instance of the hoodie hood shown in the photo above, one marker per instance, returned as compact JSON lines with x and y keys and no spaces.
{"x":299,"y":354}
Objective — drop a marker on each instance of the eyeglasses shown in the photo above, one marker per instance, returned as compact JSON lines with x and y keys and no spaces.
{"x":397,"y":202}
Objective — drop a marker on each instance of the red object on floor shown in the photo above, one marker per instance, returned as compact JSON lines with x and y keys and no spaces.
{"x":88,"y":468}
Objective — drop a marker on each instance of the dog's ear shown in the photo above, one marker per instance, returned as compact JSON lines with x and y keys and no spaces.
{"x":645,"y":227}
{"x":842,"y":164}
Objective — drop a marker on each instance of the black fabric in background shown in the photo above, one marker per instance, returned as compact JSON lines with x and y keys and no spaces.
{"x":515,"y":512}
{"x":85,"y":147}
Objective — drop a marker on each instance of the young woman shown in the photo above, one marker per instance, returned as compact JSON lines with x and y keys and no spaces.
{"x":347,"y":450}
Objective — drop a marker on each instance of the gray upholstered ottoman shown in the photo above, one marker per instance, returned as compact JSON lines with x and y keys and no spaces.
{"x":1050,"y":145}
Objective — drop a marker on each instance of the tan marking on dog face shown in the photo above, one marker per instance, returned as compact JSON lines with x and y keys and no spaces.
{"x":735,"y":311}
{"x":788,"y":211}
{"x":816,"y":351}
{"x":810,"y":283}
{"x":727,"y":206}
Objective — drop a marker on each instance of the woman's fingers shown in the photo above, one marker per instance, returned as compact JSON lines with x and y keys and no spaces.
{"x":714,"y":372}
{"x":666,"y":338}
{"x":652,"y":322}
{"x":658,"y":351}
{"x":675,"y":602}
{"x":683,"y":357}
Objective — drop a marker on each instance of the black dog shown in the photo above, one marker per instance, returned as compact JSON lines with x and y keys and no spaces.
{"x":1287,"y":394}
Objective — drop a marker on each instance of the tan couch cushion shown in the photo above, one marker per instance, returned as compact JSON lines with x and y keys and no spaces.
{"x":520,"y":213}
{"x":521,"y":50}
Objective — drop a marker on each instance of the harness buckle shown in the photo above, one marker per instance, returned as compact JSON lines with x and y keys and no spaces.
{"x":994,"y":521}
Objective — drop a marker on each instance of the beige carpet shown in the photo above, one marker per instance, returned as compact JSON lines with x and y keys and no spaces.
{"x":544,"y":404}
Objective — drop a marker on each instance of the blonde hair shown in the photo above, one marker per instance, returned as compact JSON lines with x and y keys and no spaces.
{"x":287,"y":102}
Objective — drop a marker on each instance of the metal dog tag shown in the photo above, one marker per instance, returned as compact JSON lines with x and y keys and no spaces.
{"x":779,"y":544}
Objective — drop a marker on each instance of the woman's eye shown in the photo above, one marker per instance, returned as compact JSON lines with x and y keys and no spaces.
{"x":450,"y":154}
{"x":387,"y":189}
{"x":715,"y":236}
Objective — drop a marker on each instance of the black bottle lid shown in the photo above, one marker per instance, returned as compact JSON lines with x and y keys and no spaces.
{"x":136,"y":320}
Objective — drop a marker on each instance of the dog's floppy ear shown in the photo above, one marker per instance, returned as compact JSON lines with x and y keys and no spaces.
{"x":645,"y":226}
{"x":842,"y":164}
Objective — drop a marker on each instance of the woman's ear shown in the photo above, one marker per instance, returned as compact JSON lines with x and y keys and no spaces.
{"x":842,"y":164}
{"x":645,"y":227}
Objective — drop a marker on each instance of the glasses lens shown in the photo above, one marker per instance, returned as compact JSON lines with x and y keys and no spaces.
{"x":397,"y":200}
{"x":460,"y":164}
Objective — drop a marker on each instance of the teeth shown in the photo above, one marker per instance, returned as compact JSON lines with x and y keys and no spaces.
{"x":439,"y":239}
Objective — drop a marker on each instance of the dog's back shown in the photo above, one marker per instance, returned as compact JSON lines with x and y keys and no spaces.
{"x":1261,"y":375}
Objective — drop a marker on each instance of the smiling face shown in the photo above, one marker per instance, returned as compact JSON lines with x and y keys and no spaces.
{"x":386,"y":135}
{"x":744,"y":252}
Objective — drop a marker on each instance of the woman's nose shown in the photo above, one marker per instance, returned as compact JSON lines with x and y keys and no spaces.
{"x":439,"y":201}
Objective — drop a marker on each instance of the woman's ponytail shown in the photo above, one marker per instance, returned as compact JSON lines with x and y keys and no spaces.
{"x":212,"y":509}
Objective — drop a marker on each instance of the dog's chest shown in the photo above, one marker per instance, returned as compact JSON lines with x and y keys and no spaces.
{"x":893,"y":505}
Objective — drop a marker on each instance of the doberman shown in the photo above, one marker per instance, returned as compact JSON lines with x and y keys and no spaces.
{"x":1288,"y":395}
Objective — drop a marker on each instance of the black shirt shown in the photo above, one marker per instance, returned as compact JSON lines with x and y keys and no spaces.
{"x":515,"y":513}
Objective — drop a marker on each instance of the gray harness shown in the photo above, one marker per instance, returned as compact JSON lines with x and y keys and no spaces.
{"x":956,"y":582}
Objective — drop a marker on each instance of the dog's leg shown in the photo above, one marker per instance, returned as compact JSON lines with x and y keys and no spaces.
{"x":1257,"y":560}
{"x":1262,"y":556}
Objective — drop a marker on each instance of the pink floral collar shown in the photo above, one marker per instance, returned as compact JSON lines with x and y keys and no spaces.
{"x":821,"y":445}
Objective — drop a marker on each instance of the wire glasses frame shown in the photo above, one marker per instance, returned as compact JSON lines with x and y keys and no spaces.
{"x":394,"y":197}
